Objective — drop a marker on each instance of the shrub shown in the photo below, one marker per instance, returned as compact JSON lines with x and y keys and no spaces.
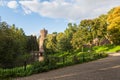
{"x":51,"y":63}
{"x":39,"y":67}
{"x":15,"y":72}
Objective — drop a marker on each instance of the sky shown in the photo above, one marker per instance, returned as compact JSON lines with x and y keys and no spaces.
{"x":53,"y":15}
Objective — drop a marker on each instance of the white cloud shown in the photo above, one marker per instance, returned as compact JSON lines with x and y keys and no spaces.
{"x":68,"y":9}
{"x":12,"y":4}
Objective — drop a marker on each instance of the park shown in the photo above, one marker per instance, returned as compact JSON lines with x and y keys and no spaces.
{"x":89,"y":50}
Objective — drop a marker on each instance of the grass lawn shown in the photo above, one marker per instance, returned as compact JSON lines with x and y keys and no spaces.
{"x":107,"y":48}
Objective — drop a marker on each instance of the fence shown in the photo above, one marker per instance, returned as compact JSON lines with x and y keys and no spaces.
{"x":73,"y":59}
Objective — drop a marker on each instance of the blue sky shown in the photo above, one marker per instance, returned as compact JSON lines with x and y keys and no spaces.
{"x":54,"y":15}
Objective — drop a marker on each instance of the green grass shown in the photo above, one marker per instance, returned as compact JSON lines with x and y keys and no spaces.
{"x":107,"y":48}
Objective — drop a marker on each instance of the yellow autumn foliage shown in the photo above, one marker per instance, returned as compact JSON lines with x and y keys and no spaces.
{"x":114,"y":19}
{"x":114,"y":14}
{"x":115,"y":24}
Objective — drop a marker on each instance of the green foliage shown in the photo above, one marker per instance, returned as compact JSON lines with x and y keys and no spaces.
{"x":78,"y":39}
{"x":12,"y":44}
{"x":50,"y":43}
{"x":88,"y":30}
{"x":62,"y":42}
{"x":32,"y":44}
{"x":58,"y":42}
{"x":51,"y":62}
{"x":72,"y":28}
{"x":15,"y":72}
{"x":39,"y":67}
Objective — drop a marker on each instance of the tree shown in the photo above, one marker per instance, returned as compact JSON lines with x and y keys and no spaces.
{"x":103,"y":25}
{"x":114,"y":25}
{"x":70,"y":30}
{"x":87,"y":27}
{"x":32,"y":44}
{"x":79,"y":39}
{"x":68,"y":33}
{"x":12,"y":45}
{"x":62,"y":42}
{"x":50,"y":43}
{"x":99,"y":28}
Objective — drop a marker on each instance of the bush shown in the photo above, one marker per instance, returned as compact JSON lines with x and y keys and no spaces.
{"x":39,"y":67}
{"x":16,"y":72}
{"x":51,"y":63}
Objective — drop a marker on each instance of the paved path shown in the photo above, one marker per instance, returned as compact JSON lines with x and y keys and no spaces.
{"x":102,"y":69}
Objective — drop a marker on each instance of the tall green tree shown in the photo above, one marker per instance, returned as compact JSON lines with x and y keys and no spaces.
{"x":32,"y":44}
{"x":70,"y":30}
{"x":12,"y":45}
{"x":79,"y":39}
{"x":87,"y":26}
{"x":62,"y":42}
{"x":50,"y":43}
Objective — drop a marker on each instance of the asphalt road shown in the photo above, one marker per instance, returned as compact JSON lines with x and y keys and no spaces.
{"x":102,"y":69}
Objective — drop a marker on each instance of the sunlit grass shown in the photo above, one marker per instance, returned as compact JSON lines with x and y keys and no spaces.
{"x":107,"y":48}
